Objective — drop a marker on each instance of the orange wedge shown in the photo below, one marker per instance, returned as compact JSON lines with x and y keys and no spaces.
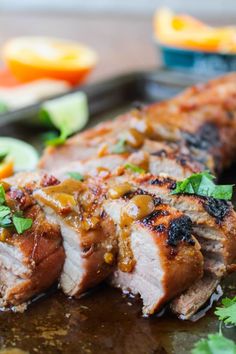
{"x":31,"y":58}
{"x":187,"y":32}
{"x":6,"y":169}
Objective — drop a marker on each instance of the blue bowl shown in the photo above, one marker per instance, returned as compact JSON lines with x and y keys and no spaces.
{"x":197,"y":61}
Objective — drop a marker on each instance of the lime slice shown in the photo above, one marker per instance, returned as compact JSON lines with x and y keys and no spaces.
{"x":68,"y":114}
{"x":25,"y":156}
{"x":3,"y":107}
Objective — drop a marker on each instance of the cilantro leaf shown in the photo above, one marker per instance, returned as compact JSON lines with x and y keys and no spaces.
{"x":21,"y":224}
{"x":119,"y":147}
{"x":76,"y":175}
{"x":2,"y":195}
{"x":134,"y":168}
{"x":227,"y":312}
{"x":5,"y":216}
{"x":202,"y":184}
{"x":4,"y":211}
{"x":6,"y":222}
{"x":214,"y":344}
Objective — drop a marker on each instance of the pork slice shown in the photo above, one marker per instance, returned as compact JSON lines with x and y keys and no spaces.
{"x":214,"y":220}
{"x":202,"y":119}
{"x":166,"y":258}
{"x":30,"y":263}
{"x":89,"y":237}
{"x":213,"y":225}
{"x":188,"y":303}
{"x":161,"y":161}
{"x":84,"y":145}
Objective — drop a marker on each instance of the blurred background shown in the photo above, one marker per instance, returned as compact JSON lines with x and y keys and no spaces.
{"x":120,"y":31}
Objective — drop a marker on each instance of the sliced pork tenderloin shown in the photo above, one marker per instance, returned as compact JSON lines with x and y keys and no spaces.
{"x":158,"y":256}
{"x":32,"y":261}
{"x":214,"y":225}
{"x":89,"y":218}
{"x":161,"y":161}
{"x":187,"y":305}
{"x":89,"y":236}
{"x":90,"y":143}
{"x":201,"y":120}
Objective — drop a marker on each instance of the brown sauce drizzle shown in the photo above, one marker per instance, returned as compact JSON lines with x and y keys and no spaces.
{"x":137,"y":208}
{"x":143,"y":125}
{"x":119,"y":190}
{"x":75,"y":202}
{"x":134,"y":138}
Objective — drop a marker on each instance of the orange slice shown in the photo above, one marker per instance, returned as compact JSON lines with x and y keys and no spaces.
{"x":6,"y":169}
{"x":187,"y":32}
{"x":31,"y":58}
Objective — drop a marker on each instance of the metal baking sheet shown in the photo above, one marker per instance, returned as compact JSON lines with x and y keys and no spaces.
{"x":104,"y":321}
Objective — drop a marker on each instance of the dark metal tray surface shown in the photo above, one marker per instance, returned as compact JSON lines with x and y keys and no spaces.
{"x":104,"y":321}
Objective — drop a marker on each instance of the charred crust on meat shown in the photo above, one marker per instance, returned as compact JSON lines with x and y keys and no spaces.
{"x":217,"y":208}
{"x":103,"y":214}
{"x":230,"y":115}
{"x":205,"y":138}
{"x":49,"y":180}
{"x":163,"y":182}
{"x":157,"y":201}
{"x":180,"y":229}
{"x":160,"y":153}
{"x":151,"y":218}
{"x":184,"y":159}
{"x":21,"y":199}
{"x":160,"y":228}
{"x":17,"y":194}
{"x":131,"y":194}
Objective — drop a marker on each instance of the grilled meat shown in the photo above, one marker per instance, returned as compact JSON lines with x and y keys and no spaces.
{"x":214,"y":225}
{"x":177,"y":165}
{"x":89,"y":237}
{"x":186,"y":134}
{"x":31,"y":262}
{"x":156,"y":249}
{"x":136,"y":232}
{"x":91,"y":224}
{"x":188,"y":303}
{"x":200,"y":120}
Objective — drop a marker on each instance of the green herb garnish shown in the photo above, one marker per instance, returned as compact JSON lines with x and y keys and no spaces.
{"x":202,"y":184}
{"x":2,"y":195}
{"x":227,"y":312}
{"x":21,"y":224}
{"x":76,"y":175}
{"x":215,"y":344}
{"x":134,"y":168}
{"x":119,"y":147}
{"x":9,"y":218}
{"x":5,"y":216}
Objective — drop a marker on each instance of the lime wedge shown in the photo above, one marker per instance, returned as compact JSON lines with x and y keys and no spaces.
{"x":68,"y":114}
{"x":25,"y":156}
{"x":3,"y":107}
